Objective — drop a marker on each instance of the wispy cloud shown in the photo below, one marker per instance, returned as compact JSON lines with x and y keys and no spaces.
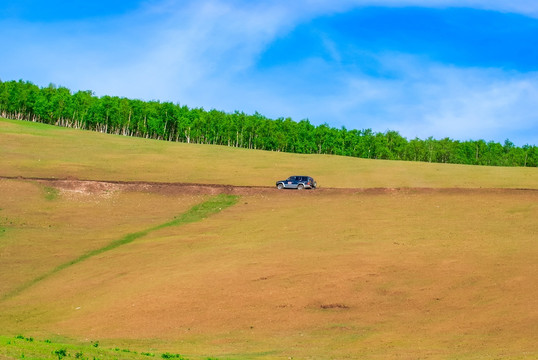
{"x":437,"y":100}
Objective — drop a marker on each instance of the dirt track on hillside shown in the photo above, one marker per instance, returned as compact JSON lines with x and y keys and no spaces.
{"x":107,"y":186}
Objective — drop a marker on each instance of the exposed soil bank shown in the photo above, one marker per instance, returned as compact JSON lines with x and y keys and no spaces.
{"x":98,"y":186}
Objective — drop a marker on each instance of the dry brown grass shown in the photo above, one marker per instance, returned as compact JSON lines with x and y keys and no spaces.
{"x":387,"y":275}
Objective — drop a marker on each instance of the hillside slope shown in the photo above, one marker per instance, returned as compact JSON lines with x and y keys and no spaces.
{"x":392,"y":275}
{"x":37,"y":150}
{"x":362,"y":271}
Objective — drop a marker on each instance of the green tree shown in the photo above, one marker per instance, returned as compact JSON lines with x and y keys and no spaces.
{"x":173,"y":122}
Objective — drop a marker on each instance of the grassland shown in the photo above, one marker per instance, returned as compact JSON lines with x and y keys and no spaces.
{"x":447,"y":272}
{"x":38,"y":150}
{"x":22,"y":347}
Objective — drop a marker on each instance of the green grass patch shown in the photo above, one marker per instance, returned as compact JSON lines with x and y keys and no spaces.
{"x":51,"y":193}
{"x":21,"y":347}
{"x":194,"y":214}
{"x":203,"y":210}
{"x":3,"y":224}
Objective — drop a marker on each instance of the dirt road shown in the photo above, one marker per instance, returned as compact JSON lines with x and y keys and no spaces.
{"x":99,"y":186}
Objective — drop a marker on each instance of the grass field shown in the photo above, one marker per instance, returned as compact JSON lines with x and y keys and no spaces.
{"x":435,"y":261}
{"x":38,"y":150}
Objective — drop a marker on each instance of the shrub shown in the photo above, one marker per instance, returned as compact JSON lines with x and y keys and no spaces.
{"x":61,"y":353}
{"x":172,"y":356}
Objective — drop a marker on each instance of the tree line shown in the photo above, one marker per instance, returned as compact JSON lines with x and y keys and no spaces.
{"x":55,"y":105}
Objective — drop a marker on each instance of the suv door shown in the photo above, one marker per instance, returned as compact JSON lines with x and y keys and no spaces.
{"x":293,"y":182}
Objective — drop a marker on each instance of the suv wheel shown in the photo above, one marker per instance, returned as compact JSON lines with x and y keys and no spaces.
{"x":280,"y":186}
{"x":300,"y":187}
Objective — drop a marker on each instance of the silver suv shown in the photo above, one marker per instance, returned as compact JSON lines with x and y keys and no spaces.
{"x":297,"y":182}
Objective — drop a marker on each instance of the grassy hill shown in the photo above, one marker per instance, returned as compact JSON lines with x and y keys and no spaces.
{"x":32,"y":149}
{"x":383,"y":274}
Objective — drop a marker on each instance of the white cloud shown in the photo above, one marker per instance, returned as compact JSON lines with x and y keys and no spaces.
{"x":187,"y":49}
{"x":428,"y":99}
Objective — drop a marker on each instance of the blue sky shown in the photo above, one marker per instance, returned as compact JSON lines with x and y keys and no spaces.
{"x":442,"y":68}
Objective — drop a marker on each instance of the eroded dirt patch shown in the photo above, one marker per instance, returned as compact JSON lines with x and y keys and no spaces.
{"x":84,"y":188}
